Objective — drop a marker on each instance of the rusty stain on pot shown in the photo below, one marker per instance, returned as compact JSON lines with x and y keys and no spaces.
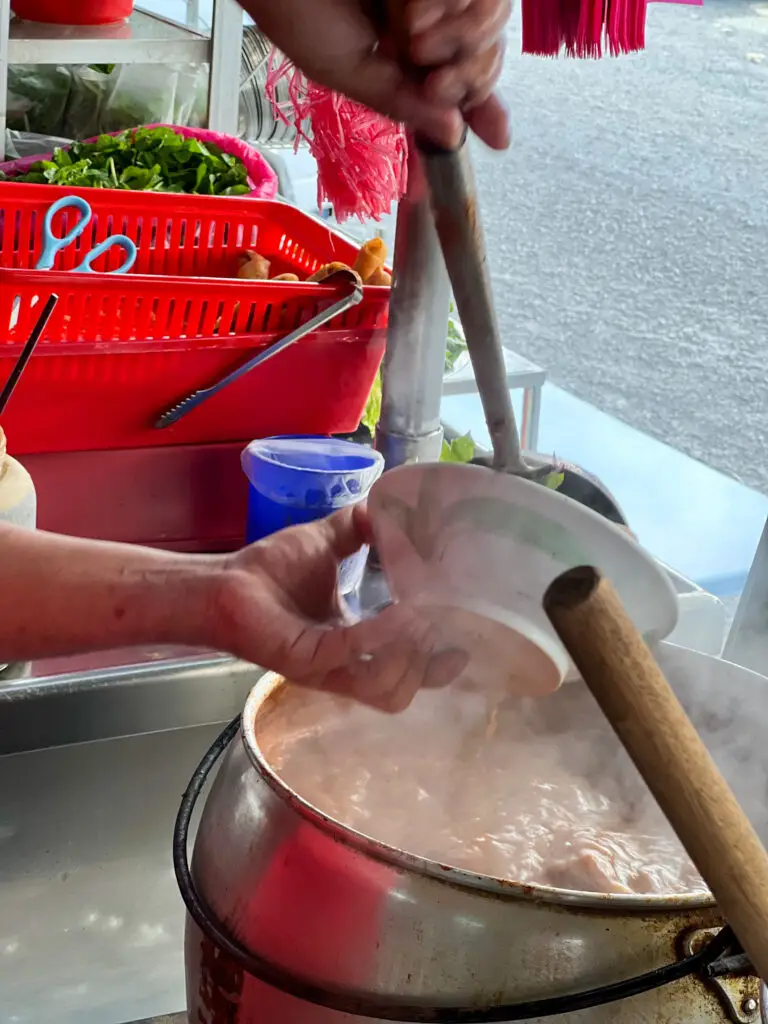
{"x":738,"y":992}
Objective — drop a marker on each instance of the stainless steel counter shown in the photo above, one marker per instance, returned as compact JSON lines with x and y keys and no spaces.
{"x":117,"y":693}
{"x":132,"y":692}
{"x":91,"y":923}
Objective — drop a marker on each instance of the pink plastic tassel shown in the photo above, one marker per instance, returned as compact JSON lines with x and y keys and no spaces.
{"x":586,"y":28}
{"x":361,"y":156}
{"x":542,"y":27}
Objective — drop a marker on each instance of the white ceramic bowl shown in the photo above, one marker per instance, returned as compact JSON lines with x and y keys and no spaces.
{"x":472,"y":552}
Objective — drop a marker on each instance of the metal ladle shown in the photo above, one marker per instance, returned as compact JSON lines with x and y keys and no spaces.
{"x":457,"y":219}
{"x":453,"y":193}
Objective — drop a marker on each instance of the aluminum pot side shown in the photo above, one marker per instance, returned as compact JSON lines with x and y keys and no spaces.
{"x":219,"y":992}
{"x":346,"y":912}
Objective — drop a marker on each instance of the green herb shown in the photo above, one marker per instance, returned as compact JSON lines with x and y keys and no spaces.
{"x":372,"y":413}
{"x":456,"y":344}
{"x":38,"y":97}
{"x":144,"y":160}
{"x":554,"y":480}
{"x":461,"y":449}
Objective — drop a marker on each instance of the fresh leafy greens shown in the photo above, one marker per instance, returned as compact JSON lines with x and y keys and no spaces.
{"x":461,"y":449}
{"x":456,"y":344}
{"x":144,"y":160}
{"x":372,"y":413}
{"x":554,"y":480}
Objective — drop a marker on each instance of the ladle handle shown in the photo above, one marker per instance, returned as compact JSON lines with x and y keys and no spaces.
{"x":639,"y":703}
{"x":457,"y":219}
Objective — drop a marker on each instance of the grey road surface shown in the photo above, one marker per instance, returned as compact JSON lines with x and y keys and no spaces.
{"x":628,"y":229}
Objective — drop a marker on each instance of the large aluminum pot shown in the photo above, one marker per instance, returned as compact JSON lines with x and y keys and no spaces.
{"x":333,"y":916}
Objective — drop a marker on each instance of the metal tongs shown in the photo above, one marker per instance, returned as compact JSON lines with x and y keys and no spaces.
{"x":352,"y":296}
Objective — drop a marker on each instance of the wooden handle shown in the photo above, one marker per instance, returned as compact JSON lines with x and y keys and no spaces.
{"x":640,"y":705}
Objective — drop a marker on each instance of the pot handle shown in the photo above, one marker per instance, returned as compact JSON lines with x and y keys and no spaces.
{"x":643,"y":710}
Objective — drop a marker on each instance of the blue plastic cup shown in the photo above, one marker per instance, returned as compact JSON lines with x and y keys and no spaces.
{"x":294,"y":480}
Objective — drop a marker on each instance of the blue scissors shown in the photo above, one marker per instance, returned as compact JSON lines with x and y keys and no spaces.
{"x":52,"y":244}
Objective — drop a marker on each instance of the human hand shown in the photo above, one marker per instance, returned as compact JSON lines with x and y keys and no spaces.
{"x":279,"y":607}
{"x":459,"y":45}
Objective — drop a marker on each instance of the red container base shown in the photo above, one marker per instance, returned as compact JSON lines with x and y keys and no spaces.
{"x":187,"y":498}
{"x":73,"y":12}
{"x":77,"y":402}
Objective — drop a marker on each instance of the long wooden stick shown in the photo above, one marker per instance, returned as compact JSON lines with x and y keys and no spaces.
{"x":639,"y":703}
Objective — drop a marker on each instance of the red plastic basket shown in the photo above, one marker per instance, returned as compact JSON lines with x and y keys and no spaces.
{"x":120,"y":349}
{"x":184,"y":235}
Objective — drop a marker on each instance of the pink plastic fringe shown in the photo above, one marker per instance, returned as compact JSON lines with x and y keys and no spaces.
{"x":586,"y":28}
{"x":361,"y":156}
{"x":583,"y":28}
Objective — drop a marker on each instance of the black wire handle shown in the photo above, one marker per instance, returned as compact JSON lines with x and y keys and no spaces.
{"x":28,"y":349}
{"x":344,"y":1001}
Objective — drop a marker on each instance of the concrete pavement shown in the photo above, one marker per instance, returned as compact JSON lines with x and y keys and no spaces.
{"x":628,"y":229}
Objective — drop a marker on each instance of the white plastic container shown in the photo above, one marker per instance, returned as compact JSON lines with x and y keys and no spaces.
{"x":18,"y":500}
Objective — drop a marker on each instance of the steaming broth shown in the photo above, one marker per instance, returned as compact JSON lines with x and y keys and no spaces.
{"x":538,"y":792}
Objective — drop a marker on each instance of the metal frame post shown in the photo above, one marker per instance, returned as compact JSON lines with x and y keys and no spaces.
{"x":412,"y":374}
{"x":747,"y":641}
{"x":226,"y":58}
{"x":5,"y":26}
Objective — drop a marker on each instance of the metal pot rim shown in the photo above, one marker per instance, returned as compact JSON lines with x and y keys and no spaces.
{"x":443,"y":873}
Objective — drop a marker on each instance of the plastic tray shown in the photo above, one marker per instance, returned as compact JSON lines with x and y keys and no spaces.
{"x":120,"y":349}
{"x":89,"y":400}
